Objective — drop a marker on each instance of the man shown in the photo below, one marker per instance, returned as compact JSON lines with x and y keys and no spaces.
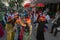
{"x":5,"y":18}
{"x":57,"y":27}
{"x":54,"y":21}
{"x":1,"y":19}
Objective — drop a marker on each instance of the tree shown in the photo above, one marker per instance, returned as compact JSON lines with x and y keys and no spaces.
{"x":1,"y":4}
{"x":12,"y":4}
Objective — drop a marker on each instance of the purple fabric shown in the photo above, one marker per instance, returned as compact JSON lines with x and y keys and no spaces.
{"x":1,"y":31}
{"x":46,"y":27}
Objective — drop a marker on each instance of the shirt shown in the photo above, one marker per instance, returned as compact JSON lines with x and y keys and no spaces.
{"x":56,"y":17}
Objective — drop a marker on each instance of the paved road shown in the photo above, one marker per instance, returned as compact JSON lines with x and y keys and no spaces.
{"x":48,"y":36}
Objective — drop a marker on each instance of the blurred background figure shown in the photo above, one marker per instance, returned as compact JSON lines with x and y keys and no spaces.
{"x":55,"y":21}
{"x":1,"y":31}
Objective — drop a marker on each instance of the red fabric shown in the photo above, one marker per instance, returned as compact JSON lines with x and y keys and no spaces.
{"x":9,"y":17}
{"x":27,"y":19}
{"x":40,"y":5}
{"x":21,"y":34}
{"x":1,"y":31}
{"x":42,"y":18}
{"x":44,"y":30}
{"x":27,"y":5}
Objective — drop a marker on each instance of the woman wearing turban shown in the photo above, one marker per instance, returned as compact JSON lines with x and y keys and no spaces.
{"x":9,"y":29}
{"x":27,"y":29}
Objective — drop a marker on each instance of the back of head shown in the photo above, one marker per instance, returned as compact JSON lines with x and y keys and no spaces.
{"x":58,"y":20}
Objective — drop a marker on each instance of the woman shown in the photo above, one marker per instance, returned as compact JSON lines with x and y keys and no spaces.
{"x":40,"y":29}
{"x":9,"y":29}
{"x":27,"y":29}
{"x":18,"y":26}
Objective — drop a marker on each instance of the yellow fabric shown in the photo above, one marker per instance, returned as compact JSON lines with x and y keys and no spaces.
{"x":9,"y":27}
{"x":30,"y":29}
{"x":10,"y":33}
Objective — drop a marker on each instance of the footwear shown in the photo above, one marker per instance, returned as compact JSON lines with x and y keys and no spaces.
{"x":54,"y":35}
{"x":51,"y":32}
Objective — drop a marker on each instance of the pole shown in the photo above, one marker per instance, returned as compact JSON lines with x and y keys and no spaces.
{"x":58,"y":6}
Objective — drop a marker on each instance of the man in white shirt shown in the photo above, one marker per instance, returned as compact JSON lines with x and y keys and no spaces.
{"x":54,"y":21}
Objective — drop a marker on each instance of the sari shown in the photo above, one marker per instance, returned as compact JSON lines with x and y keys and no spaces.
{"x":1,"y":31}
{"x":19,"y":29}
{"x":10,"y":32}
{"x":27,"y":30}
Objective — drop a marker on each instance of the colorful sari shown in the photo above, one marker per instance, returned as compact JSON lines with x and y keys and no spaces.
{"x":1,"y":31}
{"x":26,"y":36}
{"x":21,"y":34}
{"x":27,"y":30}
{"x":10,"y":32}
{"x":18,"y":28}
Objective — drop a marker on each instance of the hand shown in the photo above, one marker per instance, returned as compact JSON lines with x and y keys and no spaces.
{"x":28,"y":37}
{"x":35,"y":29}
{"x":14,"y":29}
{"x":55,"y":22}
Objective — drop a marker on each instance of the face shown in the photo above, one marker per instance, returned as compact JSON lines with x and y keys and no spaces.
{"x":5,"y":14}
{"x":47,"y":10}
{"x":34,"y":10}
{"x":14,"y":12}
{"x":58,"y":12}
{"x":42,"y":19}
{"x":16,"y":16}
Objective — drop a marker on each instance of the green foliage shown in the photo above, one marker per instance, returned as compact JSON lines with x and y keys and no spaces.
{"x":12,"y":4}
{"x":1,"y":4}
{"x":20,"y":1}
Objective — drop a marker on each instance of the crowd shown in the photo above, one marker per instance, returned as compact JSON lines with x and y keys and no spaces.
{"x":18,"y":25}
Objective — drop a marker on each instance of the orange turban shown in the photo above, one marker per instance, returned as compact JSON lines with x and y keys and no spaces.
{"x":42,"y":18}
{"x":9,"y":18}
{"x":28,"y":20}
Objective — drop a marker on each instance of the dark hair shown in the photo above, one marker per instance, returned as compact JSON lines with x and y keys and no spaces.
{"x":58,"y":10}
{"x":38,"y":17}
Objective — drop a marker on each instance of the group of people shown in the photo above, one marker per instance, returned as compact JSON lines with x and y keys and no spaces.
{"x":19,"y":25}
{"x":56,"y":23}
{"x":16,"y":26}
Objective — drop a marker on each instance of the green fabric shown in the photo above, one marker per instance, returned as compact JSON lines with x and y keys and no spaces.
{"x":26,"y":36}
{"x":1,"y":16}
{"x":1,"y":4}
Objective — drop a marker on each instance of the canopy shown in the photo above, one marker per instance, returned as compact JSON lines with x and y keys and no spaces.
{"x":27,"y":5}
{"x":40,"y":5}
